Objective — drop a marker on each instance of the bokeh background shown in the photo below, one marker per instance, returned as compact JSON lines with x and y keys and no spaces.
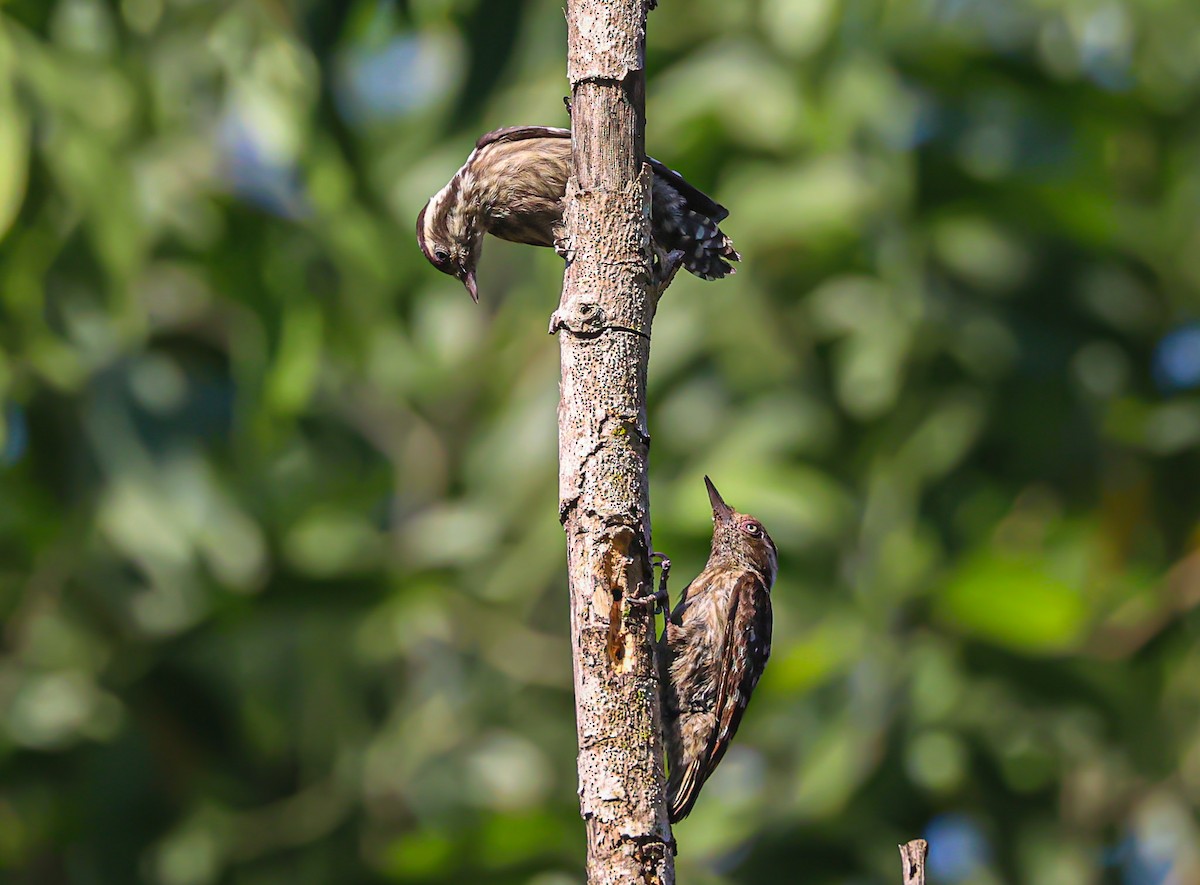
{"x":281,"y":578}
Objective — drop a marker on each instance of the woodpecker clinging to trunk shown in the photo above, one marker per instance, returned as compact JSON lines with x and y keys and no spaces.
{"x":713,"y":650}
{"x":512,"y":186}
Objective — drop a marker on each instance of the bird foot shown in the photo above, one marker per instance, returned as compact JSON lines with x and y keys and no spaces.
{"x":660,"y":598}
{"x":666,"y":265}
{"x":562,"y":245}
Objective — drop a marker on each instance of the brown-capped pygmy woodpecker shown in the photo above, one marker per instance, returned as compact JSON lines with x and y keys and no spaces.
{"x":512,"y":186}
{"x":713,"y":650}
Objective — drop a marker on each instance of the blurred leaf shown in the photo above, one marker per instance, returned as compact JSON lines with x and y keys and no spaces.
{"x":14,"y":140}
{"x":1014,"y":601}
{"x":294,"y":373}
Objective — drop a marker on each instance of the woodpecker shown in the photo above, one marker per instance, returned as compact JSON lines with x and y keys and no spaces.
{"x":713,"y":650}
{"x":512,"y":186}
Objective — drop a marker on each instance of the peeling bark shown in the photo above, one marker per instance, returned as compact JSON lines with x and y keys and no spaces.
{"x":603,"y":322}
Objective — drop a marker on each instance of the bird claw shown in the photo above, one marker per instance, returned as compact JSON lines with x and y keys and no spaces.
{"x":666,"y":265}
{"x":656,"y":601}
{"x":659,"y":599}
{"x":562,"y":246}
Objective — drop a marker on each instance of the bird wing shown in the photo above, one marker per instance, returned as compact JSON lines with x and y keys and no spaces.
{"x":520,"y":133}
{"x":746,"y":647}
{"x":696,"y":199}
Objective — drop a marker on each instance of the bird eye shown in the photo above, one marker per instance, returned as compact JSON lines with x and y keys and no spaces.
{"x":751,"y":528}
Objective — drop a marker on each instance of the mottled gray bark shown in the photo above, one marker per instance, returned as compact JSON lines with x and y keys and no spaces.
{"x":912,"y":856}
{"x":604,"y":330}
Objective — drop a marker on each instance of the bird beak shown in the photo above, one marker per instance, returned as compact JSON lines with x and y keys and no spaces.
{"x":469,"y":281}
{"x":721,"y":510}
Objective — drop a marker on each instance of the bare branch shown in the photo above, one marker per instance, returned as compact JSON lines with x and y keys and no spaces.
{"x":912,"y":855}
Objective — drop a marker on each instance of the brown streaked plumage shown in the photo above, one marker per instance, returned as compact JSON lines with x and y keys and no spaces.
{"x":714,"y":649}
{"x":512,"y":186}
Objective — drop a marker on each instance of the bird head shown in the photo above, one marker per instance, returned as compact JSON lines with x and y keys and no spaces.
{"x":449,"y":241}
{"x":740,"y":538}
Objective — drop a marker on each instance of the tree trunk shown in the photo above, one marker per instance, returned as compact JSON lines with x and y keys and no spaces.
{"x":604,"y":323}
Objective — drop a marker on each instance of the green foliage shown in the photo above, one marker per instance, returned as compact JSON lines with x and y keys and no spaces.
{"x":280,"y":569}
